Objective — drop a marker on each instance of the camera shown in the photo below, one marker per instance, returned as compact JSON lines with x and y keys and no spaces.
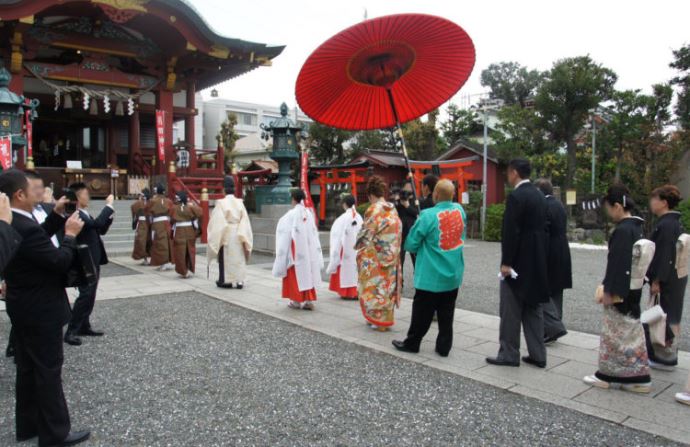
{"x":71,"y":205}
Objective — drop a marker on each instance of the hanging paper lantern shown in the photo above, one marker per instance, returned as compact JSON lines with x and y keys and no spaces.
{"x":93,"y":110}
{"x":86,"y":101}
{"x":106,"y":103}
{"x":119,"y":110}
{"x":130,"y":106}
{"x":67,"y":101}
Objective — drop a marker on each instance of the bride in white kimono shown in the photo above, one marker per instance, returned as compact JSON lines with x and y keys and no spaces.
{"x":343,"y":256}
{"x":299,"y":259}
{"x":230,"y":238}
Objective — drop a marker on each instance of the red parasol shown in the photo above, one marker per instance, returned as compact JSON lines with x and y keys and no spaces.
{"x":405,"y":63}
{"x":385,"y":71}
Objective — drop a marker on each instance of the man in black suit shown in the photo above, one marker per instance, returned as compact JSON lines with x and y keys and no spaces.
{"x":9,"y":239}
{"x":558,"y":262}
{"x":524,"y":282}
{"x":79,"y":324}
{"x":428,"y":184}
{"x":38,"y":308}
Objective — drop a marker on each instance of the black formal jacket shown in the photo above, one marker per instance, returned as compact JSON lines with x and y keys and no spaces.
{"x":665,"y":235}
{"x":408,"y":216}
{"x":36,"y":275}
{"x":619,"y":264}
{"x":558,"y":261}
{"x":92,"y":232}
{"x":427,"y":202}
{"x":524,"y":244}
{"x":9,"y":242}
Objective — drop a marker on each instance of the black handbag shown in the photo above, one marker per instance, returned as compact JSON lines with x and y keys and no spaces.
{"x":83,"y":270}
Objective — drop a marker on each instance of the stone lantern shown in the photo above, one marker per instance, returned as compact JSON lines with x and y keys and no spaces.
{"x":285,"y":134}
{"x":12,"y":110}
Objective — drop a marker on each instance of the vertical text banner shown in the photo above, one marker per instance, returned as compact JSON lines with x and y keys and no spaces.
{"x":29,"y":133}
{"x":160,"y":133}
{"x":6,"y":152}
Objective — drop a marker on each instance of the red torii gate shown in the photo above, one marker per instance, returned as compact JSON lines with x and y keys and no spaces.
{"x":331,"y":175}
{"x":453,"y":170}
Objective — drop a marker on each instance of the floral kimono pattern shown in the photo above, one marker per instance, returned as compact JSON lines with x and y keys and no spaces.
{"x":622,"y":351}
{"x":378,"y":258}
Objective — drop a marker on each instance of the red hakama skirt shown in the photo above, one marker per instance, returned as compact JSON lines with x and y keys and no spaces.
{"x":344,"y":292}
{"x":291,"y":288}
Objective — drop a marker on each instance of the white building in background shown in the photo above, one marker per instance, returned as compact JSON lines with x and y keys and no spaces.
{"x":250,"y":116}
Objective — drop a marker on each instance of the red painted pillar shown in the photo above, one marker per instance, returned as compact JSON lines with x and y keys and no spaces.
{"x":189,"y":119}
{"x":164,"y":101}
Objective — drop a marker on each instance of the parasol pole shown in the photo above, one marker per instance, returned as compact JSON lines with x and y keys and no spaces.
{"x":404,"y":148}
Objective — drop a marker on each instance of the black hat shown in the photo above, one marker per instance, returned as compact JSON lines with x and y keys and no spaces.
{"x":182,"y":195}
{"x":146,"y":193}
{"x":159,"y":189}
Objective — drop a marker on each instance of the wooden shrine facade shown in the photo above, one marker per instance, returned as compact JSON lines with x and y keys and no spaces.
{"x":102,"y":68}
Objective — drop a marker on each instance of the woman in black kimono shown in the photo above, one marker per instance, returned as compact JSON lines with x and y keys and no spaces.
{"x":623,"y":360}
{"x":664,"y":278}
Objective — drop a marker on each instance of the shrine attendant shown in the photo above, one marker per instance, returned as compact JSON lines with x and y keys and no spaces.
{"x":378,"y":258}
{"x":140,"y":225}
{"x":623,"y":360}
{"x":186,"y":217}
{"x":299,"y":259}
{"x":343,"y":257}
{"x":159,"y":209}
{"x":666,"y":274}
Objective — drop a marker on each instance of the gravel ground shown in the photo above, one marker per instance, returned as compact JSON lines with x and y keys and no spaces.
{"x":185,"y":369}
{"x":479,"y":291}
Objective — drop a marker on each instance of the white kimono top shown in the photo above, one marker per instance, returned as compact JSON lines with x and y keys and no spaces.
{"x":228,"y":215}
{"x":298,"y":226}
{"x":343,"y":239}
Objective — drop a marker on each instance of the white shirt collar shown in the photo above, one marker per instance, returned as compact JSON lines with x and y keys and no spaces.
{"x":23,"y":213}
{"x":522,"y":182}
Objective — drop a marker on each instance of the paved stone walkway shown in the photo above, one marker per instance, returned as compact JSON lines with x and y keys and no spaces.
{"x":476,"y":336}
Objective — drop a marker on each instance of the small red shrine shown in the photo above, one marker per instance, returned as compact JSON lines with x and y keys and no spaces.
{"x":101,"y":69}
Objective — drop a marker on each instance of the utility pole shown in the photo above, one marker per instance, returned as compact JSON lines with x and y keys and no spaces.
{"x":594,"y":152}
{"x":484,"y":173}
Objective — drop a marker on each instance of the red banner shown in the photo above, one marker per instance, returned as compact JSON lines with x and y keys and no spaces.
{"x":304,"y":184}
{"x":29,"y":127}
{"x":160,"y":133}
{"x":6,"y":152}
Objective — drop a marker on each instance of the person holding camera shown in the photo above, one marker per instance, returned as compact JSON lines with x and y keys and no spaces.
{"x":91,"y":236}
{"x":38,"y":309}
{"x":408,"y":212}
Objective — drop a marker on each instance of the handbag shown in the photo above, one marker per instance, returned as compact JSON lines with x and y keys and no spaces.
{"x":655,"y":318}
{"x":83,"y":272}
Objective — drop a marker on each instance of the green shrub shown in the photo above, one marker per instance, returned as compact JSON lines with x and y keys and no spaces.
{"x":362,"y":208}
{"x":684,"y":209}
{"x":494,"y":221}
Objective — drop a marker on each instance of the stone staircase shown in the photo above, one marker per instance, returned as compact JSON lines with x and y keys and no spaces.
{"x":264,"y":229}
{"x":120,"y":237}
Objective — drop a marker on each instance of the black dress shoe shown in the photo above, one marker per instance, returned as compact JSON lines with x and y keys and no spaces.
{"x":9,"y":352}
{"x":72,"y":339}
{"x":224,"y":285}
{"x":498,"y":362}
{"x":90,"y":333}
{"x":531,"y":361}
{"x":442,"y":354}
{"x":73,"y":438}
{"x":553,"y":338}
{"x":240,"y":285}
{"x":401,"y":346}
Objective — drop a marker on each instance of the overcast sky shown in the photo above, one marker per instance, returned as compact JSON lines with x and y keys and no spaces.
{"x":634,"y":38}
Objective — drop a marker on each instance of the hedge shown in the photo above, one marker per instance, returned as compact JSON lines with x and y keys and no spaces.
{"x":494,"y":222}
{"x":684,"y":209}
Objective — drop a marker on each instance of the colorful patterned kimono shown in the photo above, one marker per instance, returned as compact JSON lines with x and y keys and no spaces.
{"x":186,"y":230}
{"x":140,"y":225}
{"x":378,"y":258}
{"x":343,"y":257}
{"x":159,"y":210}
{"x":230,"y":239}
{"x":623,"y":354}
{"x":299,"y":259}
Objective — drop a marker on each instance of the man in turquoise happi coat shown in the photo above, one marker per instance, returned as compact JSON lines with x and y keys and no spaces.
{"x":437,"y":238}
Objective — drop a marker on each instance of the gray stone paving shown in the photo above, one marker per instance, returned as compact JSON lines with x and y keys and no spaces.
{"x":113,"y":269}
{"x":185,"y":369}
